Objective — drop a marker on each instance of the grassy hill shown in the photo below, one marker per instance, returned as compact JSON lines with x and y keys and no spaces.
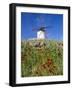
{"x":41,"y":58}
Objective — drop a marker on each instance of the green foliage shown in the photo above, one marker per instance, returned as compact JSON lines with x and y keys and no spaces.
{"x":43,"y":60}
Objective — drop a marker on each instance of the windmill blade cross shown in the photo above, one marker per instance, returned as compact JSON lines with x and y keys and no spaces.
{"x":42,"y":28}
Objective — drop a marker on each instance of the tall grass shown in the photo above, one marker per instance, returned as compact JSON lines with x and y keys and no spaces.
{"x":44,"y":60}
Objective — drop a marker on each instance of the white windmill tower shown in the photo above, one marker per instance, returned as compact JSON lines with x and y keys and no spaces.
{"x":41,"y":34}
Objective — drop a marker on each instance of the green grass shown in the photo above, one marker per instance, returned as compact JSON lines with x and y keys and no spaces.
{"x":43,"y":60}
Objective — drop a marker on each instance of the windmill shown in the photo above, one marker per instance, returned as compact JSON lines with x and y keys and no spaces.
{"x":41,"y":32}
{"x":42,"y":29}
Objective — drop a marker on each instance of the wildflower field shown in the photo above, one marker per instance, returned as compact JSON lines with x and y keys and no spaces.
{"x":41,"y":58}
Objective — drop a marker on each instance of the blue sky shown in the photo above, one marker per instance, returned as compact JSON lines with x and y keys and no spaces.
{"x":30,"y":22}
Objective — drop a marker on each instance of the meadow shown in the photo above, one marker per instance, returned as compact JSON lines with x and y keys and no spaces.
{"x":41,"y":58}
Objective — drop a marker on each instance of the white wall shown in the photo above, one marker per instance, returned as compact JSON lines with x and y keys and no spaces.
{"x":4,"y":44}
{"x":40,"y":35}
